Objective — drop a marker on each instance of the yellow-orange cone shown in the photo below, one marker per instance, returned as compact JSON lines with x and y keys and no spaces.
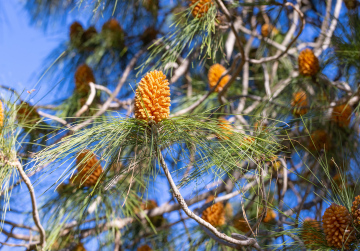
{"x":308,"y":63}
{"x":201,"y":7}
{"x":214,"y":75}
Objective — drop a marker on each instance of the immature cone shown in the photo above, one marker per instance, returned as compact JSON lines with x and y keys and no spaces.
{"x":201,"y":7}
{"x":79,"y":247}
{"x":114,"y":34}
{"x":350,"y":4}
{"x":268,"y":29}
{"x":355,"y":210}
{"x":341,"y":115}
{"x":270,"y":216}
{"x":226,"y":128}
{"x":144,"y":248}
{"x":214,"y":75}
{"x":214,"y":214}
{"x":83,"y":76}
{"x":299,"y":101}
{"x":76,"y":31}
{"x":149,"y":35}
{"x":337,"y":226}
{"x":320,"y":140}
{"x":148,"y":205}
{"x":27,"y":113}
{"x":88,"y":36}
{"x":241,"y":224}
{"x":152,"y":97}
{"x":308,"y":63}
{"x":310,"y":232}
{"x":1,"y":114}
{"x":89,"y":169}
{"x":158,"y":220}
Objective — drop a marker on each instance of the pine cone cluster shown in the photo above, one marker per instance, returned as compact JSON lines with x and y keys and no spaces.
{"x":214,"y":75}
{"x":299,"y":101}
{"x":2,"y":116}
{"x":215,"y":214}
{"x":83,"y":76}
{"x":201,"y":7}
{"x":89,"y":169}
{"x":355,"y":210}
{"x":310,"y":232}
{"x":342,"y":115}
{"x":80,"y":38}
{"x":268,"y":29}
{"x":319,"y":141}
{"x":144,"y":248}
{"x":308,"y":63}
{"x":337,"y":226}
{"x":152,"y":97}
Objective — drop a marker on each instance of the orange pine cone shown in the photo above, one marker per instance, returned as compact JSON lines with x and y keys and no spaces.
{"x":342,"y":115}
{"x":214,"y":75}
{"x":83,"y":76}
{"x":337,"y":226}
{"x":270,"y":215}
{"x":144,"y":248}
{"x":215,"y":214}
{"x":201,"y":7}
{"x":355,"y":210}
{"x":226,"y":127}
{"x":1,"y":114}
{"x":152,"y":97}
{"x":79,"y":247}
{"x":299,"y":101}
{"x":310,"y":232}
{"x":308,"y":63}
{"x":319,"y":141}
{"x":89,"y":169}
{"x":241,"y":224}
{"x":350,"y":4}
{"x":268,"y":29}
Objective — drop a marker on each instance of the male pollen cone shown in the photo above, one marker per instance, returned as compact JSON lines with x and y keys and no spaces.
{"x":310,"y":232}
{"x":337,"y":226}
{"x":214,"y":75}
{"x":268,"y":29}
{"x":201,"y":7}
{"x":76,"y":30}
{"x":226,"y":128}
{"x":1,"y":114}
{"x":308,"y":63}
{"x":342,"y":115}
{"x":152,"y":97}
{"x":355,"y":210}
{"x":299,"y":101}
{"x":89,"y":169}
{"x":83,"y":76}
{"x":79,"y":247}
{"x":144,"y":248}
{"x":319,"y":140}
{"x":214,"y":214}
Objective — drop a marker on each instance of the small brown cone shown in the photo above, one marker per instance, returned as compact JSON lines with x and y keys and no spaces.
{"x":342,"y":115}
{"x":310,"y":232}
{"x":337,"y":226}
{"x":113,"y":34}
{"x":89,"y":169}
{"x":76,"y":31}
{"x":214,"y":214}
{"x":298,"y":102}
{"x":83,"y":76}
{"x":214,"y":75}
{"x":355,"y":210}
{"x":268,"y":29}
{"x":152,"y":97}
{"x":144,"y":248}
{"x":149,"y":35}
{"x":319,"y":140}
{"x":351,"y":4}
{"x":79,"y":247}
{"x":2,"y":116}
{"x":201,"y":7}
{"x":27,"y":113}
{"x":308,"y":63}
{"x":241,"y":224}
